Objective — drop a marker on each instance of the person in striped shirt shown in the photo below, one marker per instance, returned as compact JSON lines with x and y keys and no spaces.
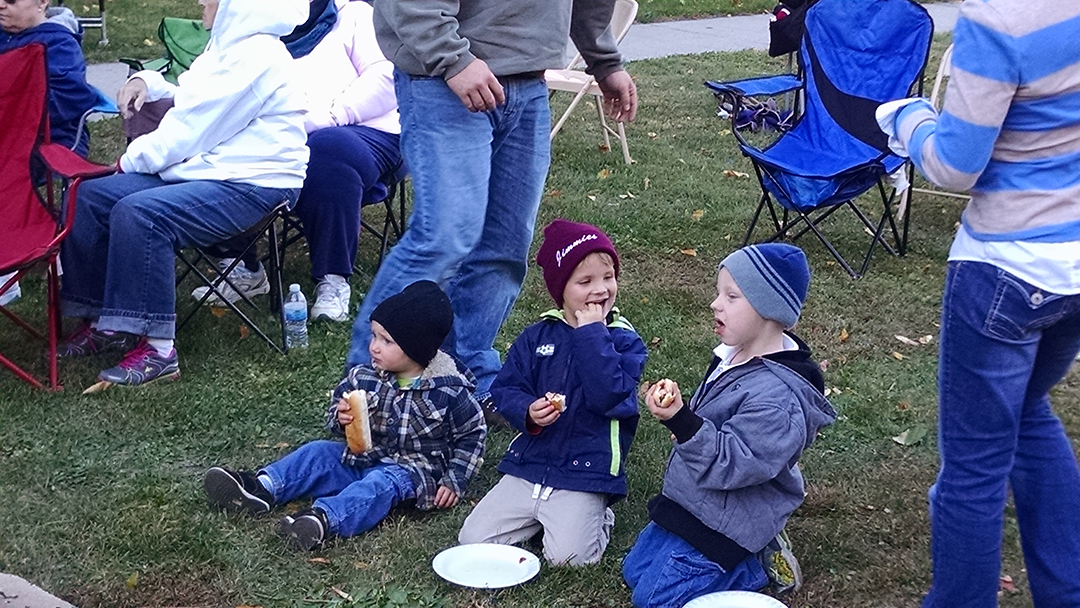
{"x":1009,"y":132}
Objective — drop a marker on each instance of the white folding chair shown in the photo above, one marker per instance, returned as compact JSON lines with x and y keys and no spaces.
{"x":944,"y":68}
{"x":574,"y":80}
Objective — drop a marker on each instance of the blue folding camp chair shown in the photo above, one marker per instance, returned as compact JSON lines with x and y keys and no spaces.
{"x":855,"y":55}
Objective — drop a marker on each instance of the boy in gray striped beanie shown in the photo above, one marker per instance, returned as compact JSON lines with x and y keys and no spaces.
{"x":733,"y":480}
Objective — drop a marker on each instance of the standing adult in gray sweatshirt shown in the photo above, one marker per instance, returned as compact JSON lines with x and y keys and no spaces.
{"x":469,"y":80}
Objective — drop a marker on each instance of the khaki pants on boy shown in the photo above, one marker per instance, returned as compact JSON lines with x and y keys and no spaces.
{"x":576,"y":525}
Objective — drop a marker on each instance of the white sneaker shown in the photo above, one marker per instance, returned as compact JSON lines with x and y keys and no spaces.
{"x":250,"y":283}
{"x":331,"y":301}
{"x":12,"y":294}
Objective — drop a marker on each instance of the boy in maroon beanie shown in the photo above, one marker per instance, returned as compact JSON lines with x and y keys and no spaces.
{"x":569,"y":386}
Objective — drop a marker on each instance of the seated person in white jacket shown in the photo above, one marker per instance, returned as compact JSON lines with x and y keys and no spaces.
{"x":229,"y":151}
{"x":352,"y":126}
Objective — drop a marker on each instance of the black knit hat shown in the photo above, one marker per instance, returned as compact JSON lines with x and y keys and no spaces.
{"x":418,"y":319}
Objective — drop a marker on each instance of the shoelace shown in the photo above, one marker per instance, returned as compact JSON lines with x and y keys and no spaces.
{"x":134,"y":359}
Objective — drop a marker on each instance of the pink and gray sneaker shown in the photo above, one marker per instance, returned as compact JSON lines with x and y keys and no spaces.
{"x":143,"y":365}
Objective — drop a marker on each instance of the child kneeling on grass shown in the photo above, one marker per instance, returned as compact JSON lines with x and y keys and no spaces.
{"x":733,"y":477}
{"x":567,"y":466}
{"x":426,"y":426}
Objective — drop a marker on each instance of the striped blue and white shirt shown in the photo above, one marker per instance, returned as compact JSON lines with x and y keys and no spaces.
{"x":1010,"y":133}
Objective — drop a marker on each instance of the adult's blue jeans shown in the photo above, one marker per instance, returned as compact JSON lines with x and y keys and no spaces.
{"x":354,"y":499}
{"x":663,"y":570}
{"x":120,"y":257}
{"x":477,"y":181}
{"x":1004,"y":344}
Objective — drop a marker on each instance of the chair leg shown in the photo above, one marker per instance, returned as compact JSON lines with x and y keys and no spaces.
{"x":604,"y":128}
{"x":277,"y":303}
{"x":622,"y":139}
{"x":53,"y":289}
{"x":569,"y":110}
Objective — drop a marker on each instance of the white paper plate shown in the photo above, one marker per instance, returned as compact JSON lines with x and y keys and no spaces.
{"x":486,"y":566}
{"x":734,"y":599}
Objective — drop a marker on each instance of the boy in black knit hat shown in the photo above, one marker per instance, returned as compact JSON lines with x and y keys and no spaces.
{"x":569,"y":385}
{"x":427,"y":432}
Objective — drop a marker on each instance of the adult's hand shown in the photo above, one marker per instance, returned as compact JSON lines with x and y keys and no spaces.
{"x":620,"y":96}
{"x":477,"y":87}
{"x":131,"y":97}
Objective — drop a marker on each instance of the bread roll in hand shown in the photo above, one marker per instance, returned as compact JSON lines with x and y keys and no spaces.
{"x":358,"y":432}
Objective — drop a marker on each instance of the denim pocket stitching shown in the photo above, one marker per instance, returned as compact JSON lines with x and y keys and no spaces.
{"x":1000,"y":325}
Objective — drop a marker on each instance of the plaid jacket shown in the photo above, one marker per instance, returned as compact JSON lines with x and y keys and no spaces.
{"x":434,"y":429}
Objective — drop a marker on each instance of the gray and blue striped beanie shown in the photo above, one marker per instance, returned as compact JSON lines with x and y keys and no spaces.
{"x":774,"y":277}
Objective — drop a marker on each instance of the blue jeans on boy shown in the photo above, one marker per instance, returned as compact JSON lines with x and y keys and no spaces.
{"x":354,"y":499}
{"x":120,"y":257}
{"x":663,"y":570}
{"x":1004,"y":344}
{"x":477,"y":181}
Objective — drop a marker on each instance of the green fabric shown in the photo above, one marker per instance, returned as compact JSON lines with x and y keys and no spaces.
{"x":184,"y":40}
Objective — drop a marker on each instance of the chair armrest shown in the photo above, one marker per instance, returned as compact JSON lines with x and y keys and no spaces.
{"x":67,"y":164}
{"x":753,"y":87}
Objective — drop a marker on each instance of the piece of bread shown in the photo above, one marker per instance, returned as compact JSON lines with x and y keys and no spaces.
{"x":558,"y":400}
{"x":358,"y":432}
{"x":663,"y":394}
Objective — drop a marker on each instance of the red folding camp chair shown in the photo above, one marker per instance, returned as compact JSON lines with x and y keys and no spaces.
{"x":31,"y":226}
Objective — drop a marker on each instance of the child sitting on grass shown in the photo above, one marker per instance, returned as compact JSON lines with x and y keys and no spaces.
{"x":569,"y":385}
{"x":733,"y":478}
{"x":426,"y":426}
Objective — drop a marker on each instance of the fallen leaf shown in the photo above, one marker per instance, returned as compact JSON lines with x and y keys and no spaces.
{"x":732,"y":173}
{"x":342,"y":594}
{"x":218,"y":312}
{"x":697,"y":214}
{"x":911,"y":436}
{"x":319,"y":560}
{"x":903,"y":406}
{"x":147,"y":42}
{"x":281,"y":445}
{"x":556,"y":193}
{"x":828,"y":391}
{"x":725,"y":132}
{"x":869,"y":507}
{"x":690,"y":252}
{"x":652,"y":135}
{"x":1005,"y":583}
{"x":836,"y":390}
{"x":604,"y":174}
{"x":897,"y":356}
{"x":906,"y":340}
{"x":644,"y":300}
{"x":262,"y":446}
{"x":654,"y":342}
{"x":362,"y":565}
{"x":630,"y":194}
{"x":132,"y":580}
{"x":824,"y":365}
{"x":244,"y":331}
{"x":591,"y":197}
{"x":844,"y":335}
{"x":926,"y":339}
{"x":97,"y":387}
{"x":647,"y":182}
{"x":604,"y":148}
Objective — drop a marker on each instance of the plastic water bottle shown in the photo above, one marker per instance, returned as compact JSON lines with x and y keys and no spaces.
{"x":296,"y":316}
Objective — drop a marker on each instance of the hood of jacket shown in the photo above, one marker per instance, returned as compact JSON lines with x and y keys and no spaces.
{"x":62,"y":16}
{"x":240,"y":19}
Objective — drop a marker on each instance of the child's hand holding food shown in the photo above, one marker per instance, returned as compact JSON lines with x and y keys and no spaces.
{"x":664,"y":399}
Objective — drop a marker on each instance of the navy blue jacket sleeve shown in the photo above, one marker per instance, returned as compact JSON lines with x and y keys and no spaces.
{"x":609,"y":363}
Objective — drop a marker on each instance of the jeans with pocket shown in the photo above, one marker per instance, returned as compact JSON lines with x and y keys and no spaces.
{"x":663,"y":570}
{"x":1004,"y":344}
{"x":477,"y":181}
{"x":354,"y":499}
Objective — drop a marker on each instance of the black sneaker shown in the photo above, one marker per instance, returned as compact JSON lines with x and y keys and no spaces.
{"x":492,"y":417}
{"x":305,"y":529}
{"x":237,"y":491}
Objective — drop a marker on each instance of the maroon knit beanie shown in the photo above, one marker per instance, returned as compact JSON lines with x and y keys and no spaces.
{"x":566,"y":243}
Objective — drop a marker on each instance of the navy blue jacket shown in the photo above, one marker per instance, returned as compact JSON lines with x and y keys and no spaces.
{"x":598,"y":368}
{"x":69,"y":94}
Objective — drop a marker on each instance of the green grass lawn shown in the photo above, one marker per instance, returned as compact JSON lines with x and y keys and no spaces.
{"x":101,"y":500}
